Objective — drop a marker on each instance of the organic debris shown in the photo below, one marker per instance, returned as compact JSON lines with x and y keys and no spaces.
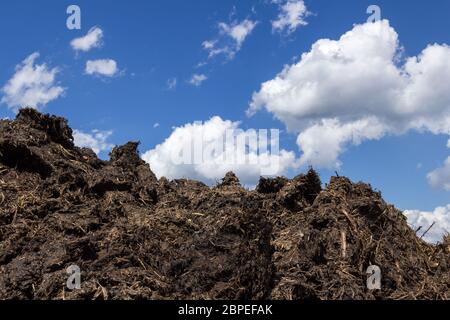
{"x":133,"y":236}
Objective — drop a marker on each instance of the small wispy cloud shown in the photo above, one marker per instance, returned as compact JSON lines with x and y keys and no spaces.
{"x":208,"y":45}
{"x":230,"y":39}
{"x":102,"y":67}
{"x":32,"y":85}
{"x":171,"y":83}
{"x":93,"y":39}
{"x":292,"y":15}
{"x":198,"y":79}
{"x":238,"y":31}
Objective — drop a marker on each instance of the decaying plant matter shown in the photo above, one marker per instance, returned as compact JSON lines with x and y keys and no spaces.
{"x":136,"y":237}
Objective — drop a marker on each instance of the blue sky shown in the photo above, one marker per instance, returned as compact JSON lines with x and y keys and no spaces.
{"x":155,"y":42}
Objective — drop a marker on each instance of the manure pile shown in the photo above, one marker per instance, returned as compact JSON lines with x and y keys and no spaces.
{"x":136,"y":237}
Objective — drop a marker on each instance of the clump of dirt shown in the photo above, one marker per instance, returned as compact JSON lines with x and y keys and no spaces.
{"x":136,"y":237}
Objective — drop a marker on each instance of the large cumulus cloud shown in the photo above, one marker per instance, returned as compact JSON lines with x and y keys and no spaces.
{"x":359,"y":87}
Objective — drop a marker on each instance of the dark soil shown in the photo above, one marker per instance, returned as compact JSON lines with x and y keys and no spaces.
{"x":136,"y":237}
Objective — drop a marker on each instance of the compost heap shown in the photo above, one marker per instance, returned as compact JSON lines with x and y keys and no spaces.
{"x":136,"y":237}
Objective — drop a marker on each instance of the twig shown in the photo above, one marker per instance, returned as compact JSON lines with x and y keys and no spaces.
{"x":432,"y":225}
{"x":344,"y":244}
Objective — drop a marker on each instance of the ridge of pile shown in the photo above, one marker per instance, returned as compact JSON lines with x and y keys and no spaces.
{"x":136,"y":237}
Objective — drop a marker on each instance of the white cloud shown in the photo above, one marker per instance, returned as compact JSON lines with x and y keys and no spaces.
{"x":197,"y":79}
{"x":231,"y":38}
{"x":353,"y":89}
{"x":32,"y":85}
{"x":440,"y":178}
{"x":103,"y":67}
{"x":93,"y":39}
{"x":238,"y":31}
{"x":440,"y":216}
{"x":172,"y":83}
{"x":208,"y":45}
{"x":156,"y":125}
{"x":202,"y":151}
{"x":333,"y":136}
{"x":292,"y":15}
{"x":96,"y":140}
